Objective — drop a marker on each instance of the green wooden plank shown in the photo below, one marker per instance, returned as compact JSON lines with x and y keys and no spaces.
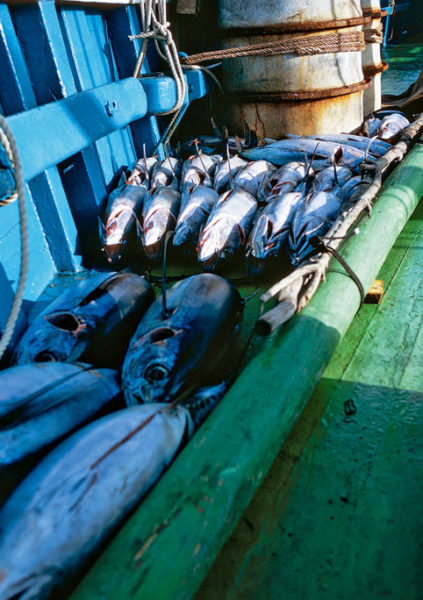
{"x":338,"y":516}
{"x":167,"y":546}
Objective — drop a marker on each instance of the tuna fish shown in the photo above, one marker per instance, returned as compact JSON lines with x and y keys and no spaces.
{"x":80,"y":493}
{"x":166,"y":172}
{"x":271,"y":229}
{"x":195,"y":210}
{"x":121,"y":220}
{"x":41,"y":403}
{"x":353,"y":189}
{"x":331,"y":179}
{"x":142,"y":171}
{"x":392,"y":126}
{"x":192,"y":346}
{"x":224,"y":172}
{"x":377,"y":148}
{"x":227,"y":228}
{"x":314,"y":218}
{"x":92,"y":321}
{"x":251,"y":177}
{"x":288,"y":150}
{"x":199,"y":170}
{"x":161,"y":208}
{"x":371,"y":126}
{"x":283,"y":180}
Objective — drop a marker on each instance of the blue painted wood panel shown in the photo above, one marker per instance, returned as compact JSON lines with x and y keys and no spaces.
{"x":75,"y":133}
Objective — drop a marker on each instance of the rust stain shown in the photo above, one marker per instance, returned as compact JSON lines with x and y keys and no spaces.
{"x":2,"y":576}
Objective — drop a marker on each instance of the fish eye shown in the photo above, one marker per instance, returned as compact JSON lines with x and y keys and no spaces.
{"x":155,"y":373}
{"x":45,"y":356}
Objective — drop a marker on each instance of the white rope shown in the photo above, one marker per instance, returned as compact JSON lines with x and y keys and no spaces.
{"x":156,"y":27}
{"x":4,"y":141}
{"x":20,"y":189}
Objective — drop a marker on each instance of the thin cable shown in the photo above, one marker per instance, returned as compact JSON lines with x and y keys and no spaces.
{"x":23,"y":225}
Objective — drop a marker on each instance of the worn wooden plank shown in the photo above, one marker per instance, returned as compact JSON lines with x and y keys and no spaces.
{"x":84,"y":118}
{"x":339,"y":503}
{"x":190,"y":513}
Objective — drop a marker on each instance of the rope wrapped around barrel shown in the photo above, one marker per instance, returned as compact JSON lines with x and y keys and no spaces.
{"x":295,"y":291}
{"x":305,"y":45}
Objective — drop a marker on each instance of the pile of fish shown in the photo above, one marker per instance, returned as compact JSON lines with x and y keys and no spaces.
{"x":82,"y":442}
{"x":74,"y":460}
{"x":260,"y":203}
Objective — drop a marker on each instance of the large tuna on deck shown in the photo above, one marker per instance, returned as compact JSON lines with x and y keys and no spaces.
{"x":40,"y":404}
{"x":172,"y":355}
{"x":92,"y":321}
{"x":80,"y":493}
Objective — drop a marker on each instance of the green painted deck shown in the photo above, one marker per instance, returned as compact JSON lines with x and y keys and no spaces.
{"x":339,"y":516}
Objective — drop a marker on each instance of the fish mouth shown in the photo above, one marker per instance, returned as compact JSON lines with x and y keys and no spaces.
{"x":153,"y":251}
{"x":209,"y":263}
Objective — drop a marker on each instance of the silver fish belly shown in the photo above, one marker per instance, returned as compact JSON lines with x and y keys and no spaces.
{"x":80,"y":493}
{"x":314,"y":218}
{"x":328,"y":181}
{"x":272,"y":226}
{"x":142,"y":171}
{"x":283,"y":180}
{"x":166,"y":172}
{"x":121,"y":218}
{"x":251,"y":176}
{"x":391,"y":128}
{"x":160,"y":212}
{"x":199,"y":170}
{"x":195,"y":210}
{"x":227,"y":228}
{"x":43,"y":402}
{"x":226,"y":170}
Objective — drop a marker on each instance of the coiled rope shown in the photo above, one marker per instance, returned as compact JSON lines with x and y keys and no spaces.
{"x":156,"y":27}
{"x":347,"y":41}
{"x":8,"y":141}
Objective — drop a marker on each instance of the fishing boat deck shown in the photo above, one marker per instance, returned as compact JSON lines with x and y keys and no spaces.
{"x":338,"y":515}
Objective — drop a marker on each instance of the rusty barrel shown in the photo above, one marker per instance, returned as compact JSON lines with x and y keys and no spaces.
{"x":373,"y":66}
{"x":306,"y":89}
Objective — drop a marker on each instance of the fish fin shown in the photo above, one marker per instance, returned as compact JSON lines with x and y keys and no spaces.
{"x":204,"y":400}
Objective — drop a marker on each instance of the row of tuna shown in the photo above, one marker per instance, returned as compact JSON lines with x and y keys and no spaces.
{"x":80,"y":460}
{"x":272,"y":198}
{"x":109,"y":383}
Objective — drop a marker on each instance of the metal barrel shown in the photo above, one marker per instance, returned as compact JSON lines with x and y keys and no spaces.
{"x":306,"y":91}
{"x":373,"y":66}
